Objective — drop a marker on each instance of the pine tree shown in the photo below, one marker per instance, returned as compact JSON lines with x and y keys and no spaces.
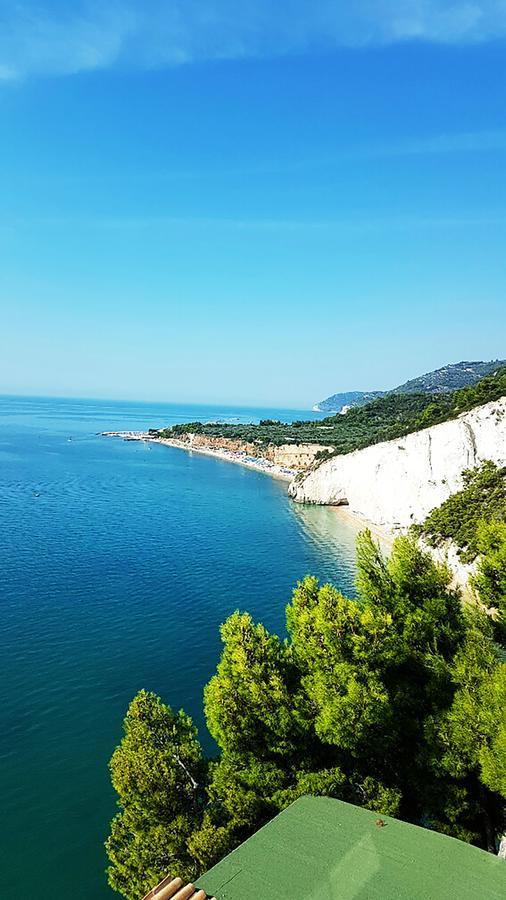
{"x":160,"y":777}
{"x":490,"y":578}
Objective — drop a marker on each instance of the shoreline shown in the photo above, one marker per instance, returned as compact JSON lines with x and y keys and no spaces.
{"x":258,"y":464}
{"x":380,"y":533}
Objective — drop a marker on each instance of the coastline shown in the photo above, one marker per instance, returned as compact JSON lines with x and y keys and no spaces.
{"x":258,"y":464}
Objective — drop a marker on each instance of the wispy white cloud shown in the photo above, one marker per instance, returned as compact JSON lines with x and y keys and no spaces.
{"x":57,"y":37}
{"x":35,"y":38}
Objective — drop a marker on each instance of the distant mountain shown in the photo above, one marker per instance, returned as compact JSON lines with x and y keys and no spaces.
{"x":447,"y":378}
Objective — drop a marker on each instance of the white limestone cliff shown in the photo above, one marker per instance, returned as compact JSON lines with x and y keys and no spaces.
{"x":397,"y":483}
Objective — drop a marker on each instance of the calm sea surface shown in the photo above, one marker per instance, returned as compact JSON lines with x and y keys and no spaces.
{"x":118,"y":563}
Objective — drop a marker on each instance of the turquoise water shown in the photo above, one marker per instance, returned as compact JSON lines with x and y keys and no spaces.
{"x":119,"y":561}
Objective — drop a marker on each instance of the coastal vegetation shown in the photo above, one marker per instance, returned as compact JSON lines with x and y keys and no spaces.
{"x":474,"y":521}
{"x":393,"y":700}
{"x":483,"y":498}
{"x":386,"y":418}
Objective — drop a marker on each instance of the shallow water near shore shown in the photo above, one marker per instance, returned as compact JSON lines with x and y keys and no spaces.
{"x":119,"y":561}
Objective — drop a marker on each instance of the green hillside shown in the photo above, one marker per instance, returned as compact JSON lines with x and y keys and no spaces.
{"x":386,"y":418}
{"x":440,"y":381}
{"x":450,"y":378}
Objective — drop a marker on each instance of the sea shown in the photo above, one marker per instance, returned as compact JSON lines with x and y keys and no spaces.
{"x":118,"y":563}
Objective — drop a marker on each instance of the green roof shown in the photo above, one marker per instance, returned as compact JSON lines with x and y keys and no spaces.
{"x":324,"y":849}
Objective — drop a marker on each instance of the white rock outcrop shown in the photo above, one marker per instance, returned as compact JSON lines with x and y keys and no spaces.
{"x":397,"y":483}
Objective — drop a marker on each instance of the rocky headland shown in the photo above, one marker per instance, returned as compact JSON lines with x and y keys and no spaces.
{"x":397,"y":483}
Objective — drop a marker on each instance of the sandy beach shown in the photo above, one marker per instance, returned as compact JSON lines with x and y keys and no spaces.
{"x":380,"y":533}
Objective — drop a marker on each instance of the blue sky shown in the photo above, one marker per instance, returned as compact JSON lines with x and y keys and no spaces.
{"x":221,"y":202}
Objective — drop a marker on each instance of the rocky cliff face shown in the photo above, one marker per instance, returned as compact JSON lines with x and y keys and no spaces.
{"x":294,"y":456}
{"x":208,"y":442}
{"x":397,"y":483}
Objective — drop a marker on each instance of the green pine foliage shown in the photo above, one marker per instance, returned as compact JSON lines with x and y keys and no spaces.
{"x":393,"y":700}
{"x":248,"y":703}
{"x":387,"y":418}
{"x":490,"y":579}
{"x":492,"y":754}
{"x":160,"y":776}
